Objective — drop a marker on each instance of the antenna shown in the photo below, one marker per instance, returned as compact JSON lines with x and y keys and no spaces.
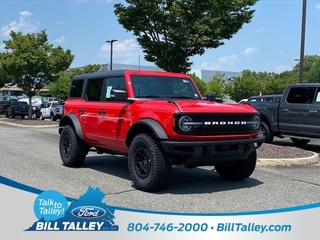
{"x":139,"y":77}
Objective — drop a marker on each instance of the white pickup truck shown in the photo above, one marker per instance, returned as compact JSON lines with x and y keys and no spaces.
{"x":52,"y":110}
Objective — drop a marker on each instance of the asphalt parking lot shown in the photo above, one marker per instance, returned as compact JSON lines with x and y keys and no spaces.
{"x":30,"y":156}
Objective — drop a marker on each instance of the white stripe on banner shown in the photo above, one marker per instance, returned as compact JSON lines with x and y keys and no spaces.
{"x":29,"y":213}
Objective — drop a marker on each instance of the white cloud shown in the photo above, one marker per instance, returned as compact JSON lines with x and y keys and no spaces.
{"x":60,"y":40}
{"x":318,"y":6}
{"x":282,"y":53}
{"x":223,"y":63}
{"x":282,"y":68}
{"x":127,"y":51}
{"x":250,"y":51}
{"x":25,"y":24}
{"x":259,"y":30}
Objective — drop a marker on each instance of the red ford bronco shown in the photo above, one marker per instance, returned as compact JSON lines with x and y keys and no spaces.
{"x":157,"y":119}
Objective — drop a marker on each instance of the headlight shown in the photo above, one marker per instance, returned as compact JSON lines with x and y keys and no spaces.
{"x":256,"y":122}
{"x":185,"y":123}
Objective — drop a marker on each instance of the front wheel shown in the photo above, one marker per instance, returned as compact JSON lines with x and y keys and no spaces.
{"x":238,"y":171}
{"x":73,"y":150}
{"x":149,"y":167}
{"x":265,"y":132}
{"x":299,"y":141}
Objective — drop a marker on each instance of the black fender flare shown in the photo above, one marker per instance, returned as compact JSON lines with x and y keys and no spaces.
{"x":71,"y":119}
{"x":151,"y":124}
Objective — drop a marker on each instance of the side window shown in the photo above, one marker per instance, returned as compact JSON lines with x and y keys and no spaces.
{"x":76,"y":88}
{"x":94,"y":89}
{"x":298,"y":95}
{"x":317,"y":96}
{"x":114,"y":83}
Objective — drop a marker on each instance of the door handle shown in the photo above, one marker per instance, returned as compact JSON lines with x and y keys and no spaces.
{"x":285,"y":110}
{"x":102,"y":111}
{"x":81,"y":110}
{"x":313,"y":111}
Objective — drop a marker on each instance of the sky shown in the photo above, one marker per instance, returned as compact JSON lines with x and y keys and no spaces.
{"x":270,"y":42}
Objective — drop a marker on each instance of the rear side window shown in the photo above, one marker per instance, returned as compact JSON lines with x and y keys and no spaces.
{"x":22,"y":103}
{"x":94,"y":89}
{"x":299,"y":95}
{"x":76,"y":88}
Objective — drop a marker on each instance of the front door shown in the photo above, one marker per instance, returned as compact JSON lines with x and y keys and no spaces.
{"x":114,"y":122}
{"x":293,"y":111}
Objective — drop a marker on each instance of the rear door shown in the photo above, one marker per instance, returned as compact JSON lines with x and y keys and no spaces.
{"x":89,"y":110}
{"x":314,"y":113}
{"x":293,"y":111}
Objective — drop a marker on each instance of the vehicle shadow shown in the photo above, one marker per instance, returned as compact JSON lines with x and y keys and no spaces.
{"x":182,"y":180}
{"x":312,"y":146}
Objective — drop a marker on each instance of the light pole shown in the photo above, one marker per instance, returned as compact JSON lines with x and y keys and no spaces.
{"x":111,"y":50}
{"x":303,"y":35}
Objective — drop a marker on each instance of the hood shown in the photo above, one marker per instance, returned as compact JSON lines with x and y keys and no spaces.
{"x":207,"y":106}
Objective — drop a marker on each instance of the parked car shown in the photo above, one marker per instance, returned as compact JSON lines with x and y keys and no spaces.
{"x":3,"y":106}
{"x":294,"y":114}
{"x":52,"y":110}
{"x":17,"y":108}
{"x":157,"y":119}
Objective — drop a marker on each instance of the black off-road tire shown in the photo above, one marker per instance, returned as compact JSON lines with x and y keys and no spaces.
{"x":41,"y":117}
{"x":300,"y":141}
{"x":72,"y":149}
{"x":266,"y":133}
{"x":52,"y":117}
{"x":238,"y":171}
{"x":149,"y":167}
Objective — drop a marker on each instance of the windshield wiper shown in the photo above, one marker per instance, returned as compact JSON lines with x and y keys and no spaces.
{"x":183,"y":97}
{"x":148,"y":96}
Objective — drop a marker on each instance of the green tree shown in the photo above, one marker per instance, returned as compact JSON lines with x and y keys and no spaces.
{"x":4,"y":77}
{"x":32,"y":62}
{"x":60,"y":88}
{"x":172,"y":31}
{"x":242,"y":87}
{"x":202,"y":86}
{"x":216,"y":85}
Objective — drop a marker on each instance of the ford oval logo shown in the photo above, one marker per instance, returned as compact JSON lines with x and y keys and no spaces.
{"x":88,"y":212}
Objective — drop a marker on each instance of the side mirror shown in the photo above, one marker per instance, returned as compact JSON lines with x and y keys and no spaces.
{"x":211,"y":97}
{"x":118,"y":95}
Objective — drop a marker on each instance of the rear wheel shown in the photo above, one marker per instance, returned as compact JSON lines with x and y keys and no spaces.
{"x":73,"y":150}
{"x":149,"y":167}
{"x":238,"y":171}
{"x":299,"y":141}
{"x":52,"y":117}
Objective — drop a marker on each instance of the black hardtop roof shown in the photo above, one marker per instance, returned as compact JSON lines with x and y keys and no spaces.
{"x":112,"y":73}
{"x":101,"y":74}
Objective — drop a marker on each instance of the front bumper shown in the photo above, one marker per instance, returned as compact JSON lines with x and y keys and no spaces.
{"x":214,"y":151}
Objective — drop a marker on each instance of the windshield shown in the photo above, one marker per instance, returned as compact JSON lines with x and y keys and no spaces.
{"x":163,"y":87}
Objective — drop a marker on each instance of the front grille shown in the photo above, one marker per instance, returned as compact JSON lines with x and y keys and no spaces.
{"x":215,"y":127}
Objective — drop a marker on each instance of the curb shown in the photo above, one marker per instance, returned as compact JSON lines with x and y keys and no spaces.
{"x":265,"y":162}
{"x":27,"y":126}
{"x":285,"y":162}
